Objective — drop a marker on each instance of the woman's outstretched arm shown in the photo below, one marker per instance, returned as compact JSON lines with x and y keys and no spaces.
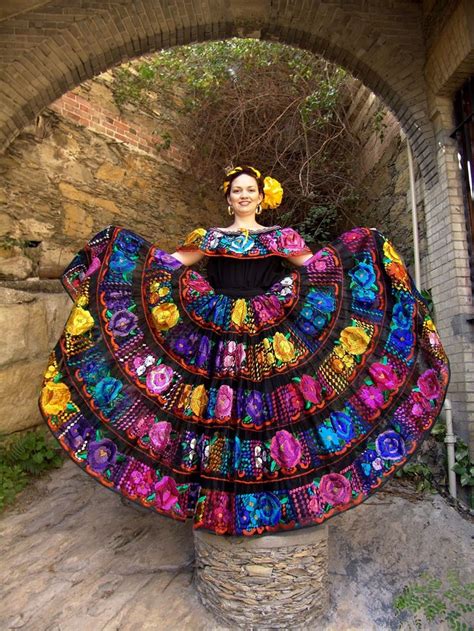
{"x":188,"y":258}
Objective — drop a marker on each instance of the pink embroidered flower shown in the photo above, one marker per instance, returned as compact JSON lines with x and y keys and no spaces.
{"x":291,"y":241}
{"x":221,"y":516}
{"x":141,"y":427}
{"x":384,"y":376}
{"x":159,"y":378}
{"x":318,"y":262}
{"x":429,"y":384}
{"x":371,"y":397}
{"x":355,"y":236}
{"x":267,"y":308}
{"x":268,"y":239}
{"x":240,"y":354}
{"x":159,"y":435}
{"x":285,"y":449}
{"x":335,"y":489}
{"x":293,"y":400}
{"x":140,"y":483}
{"x":311,"y":389}
{"x":200,"y":285}
{"x":93,"y":267}
{"x":421,"y":405}
{"x":224,"y":402}
{"x":166,"y":493}
{"x":314,"y":505}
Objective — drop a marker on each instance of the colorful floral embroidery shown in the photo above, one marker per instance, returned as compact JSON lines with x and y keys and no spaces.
{"x":247,"y":415}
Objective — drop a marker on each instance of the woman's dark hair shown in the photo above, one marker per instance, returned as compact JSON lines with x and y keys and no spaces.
{"x":247,"y":170}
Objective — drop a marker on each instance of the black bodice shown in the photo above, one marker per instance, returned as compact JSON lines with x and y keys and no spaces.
{"x":243,"y":277}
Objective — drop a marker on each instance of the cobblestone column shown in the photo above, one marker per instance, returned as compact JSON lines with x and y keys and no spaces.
{"x":267,"y":582}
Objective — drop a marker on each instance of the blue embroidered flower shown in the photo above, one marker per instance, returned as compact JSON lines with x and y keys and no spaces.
{"x":365,"y":296}
{"x":363,"y":275}
{"x":127,"y":243}
{"x":342,"y":424}
{"x":92,"y":371}
{"x":254,"y":405}
{"x":307,"y":327}
{"x":237,"y":452}
{"x":402,"y":339}
{"x":106,"y":391}
{"x":307,"y":313}
{"x":269,"y":509}
{"x":248,"y":513}
{"x":329,"y":439}
{"x":390,"y":445}
{"x":402,"y":315}
{"x":241,"y":244}
{"x":120,"y":263}
{"x":321,"y":301}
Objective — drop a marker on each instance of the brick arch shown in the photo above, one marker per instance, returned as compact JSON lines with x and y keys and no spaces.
{"x":55,"y":46}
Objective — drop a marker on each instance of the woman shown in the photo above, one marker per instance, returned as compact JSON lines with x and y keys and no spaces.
{"x":266,"y":397}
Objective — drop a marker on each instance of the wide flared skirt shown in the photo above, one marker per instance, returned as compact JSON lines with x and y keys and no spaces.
{"x":249,"y":415}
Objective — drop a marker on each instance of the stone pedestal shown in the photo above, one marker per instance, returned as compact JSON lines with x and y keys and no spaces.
{"x":270,"y":582}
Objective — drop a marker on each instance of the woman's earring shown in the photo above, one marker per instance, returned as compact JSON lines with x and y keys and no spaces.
{"x":259,"y":210}
{"x":230,"y":211}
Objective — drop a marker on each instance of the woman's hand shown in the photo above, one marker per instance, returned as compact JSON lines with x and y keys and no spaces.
{"x":300,"y":260}
{"x":188,"y":258}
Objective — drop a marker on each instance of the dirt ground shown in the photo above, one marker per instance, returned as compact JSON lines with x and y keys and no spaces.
{"x":74,"y":557}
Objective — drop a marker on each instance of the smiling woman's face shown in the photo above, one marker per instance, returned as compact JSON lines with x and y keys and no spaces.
{"x":244,"y":196}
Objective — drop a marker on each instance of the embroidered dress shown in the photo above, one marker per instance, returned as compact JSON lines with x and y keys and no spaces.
{"x":262,"y":398}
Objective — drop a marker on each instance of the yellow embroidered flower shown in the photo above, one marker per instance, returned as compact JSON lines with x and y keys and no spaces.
{"x":391,"y":253}
{"x":198,"y":400}
{"x":195,"y":237}
{"x":79,"y":321}
{"x":273,"y":193}
{"x":239,"y":312}
{"x":165,"y":316}
{"x":283,"y":348}
{"x":354,"y":339}
{"x":54,"y":397}
{"x":51,"y":371}
{"x":184,"y":396}
{"x":337,"y":364}
{"x":82,"y":301}
{"x":163,"y":291}
{"x":430,"y":325}
{"x":266,"y":344}
{"x":270,"y":359}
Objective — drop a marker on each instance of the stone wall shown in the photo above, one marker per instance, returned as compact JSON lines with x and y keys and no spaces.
{"x":63,"y":180}
{"x":383,"y":176}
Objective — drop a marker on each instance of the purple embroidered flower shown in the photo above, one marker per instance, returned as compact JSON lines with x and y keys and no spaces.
{"x":390,"y":445}
{"x":224,"y":402}
{"x":117,"y":300}
{"x":128,"y":243}
{"x":311,"y":389}
{"x":371,"y":397}
{"x":159,"y":435}
{"x":106,"y":391}
{"x":78,"y":433}
{"x":254,"y":405}
{"x":429,"y":384}
{"x":165,"y":259}
{"x":122,"y":322}
{"x":203,"y":352}
{"x":167,"y":493}
{"x":318,"y":262}
{"x":101,"y":454}
{"x":335,"y":489}
{"x":183,"y":346}
{"x":292,"y":398}
{"x":159,"y":378}
{"x":285,"y":449}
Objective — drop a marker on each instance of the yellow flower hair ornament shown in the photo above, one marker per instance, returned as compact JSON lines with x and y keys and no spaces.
{"x":273,"y":193}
